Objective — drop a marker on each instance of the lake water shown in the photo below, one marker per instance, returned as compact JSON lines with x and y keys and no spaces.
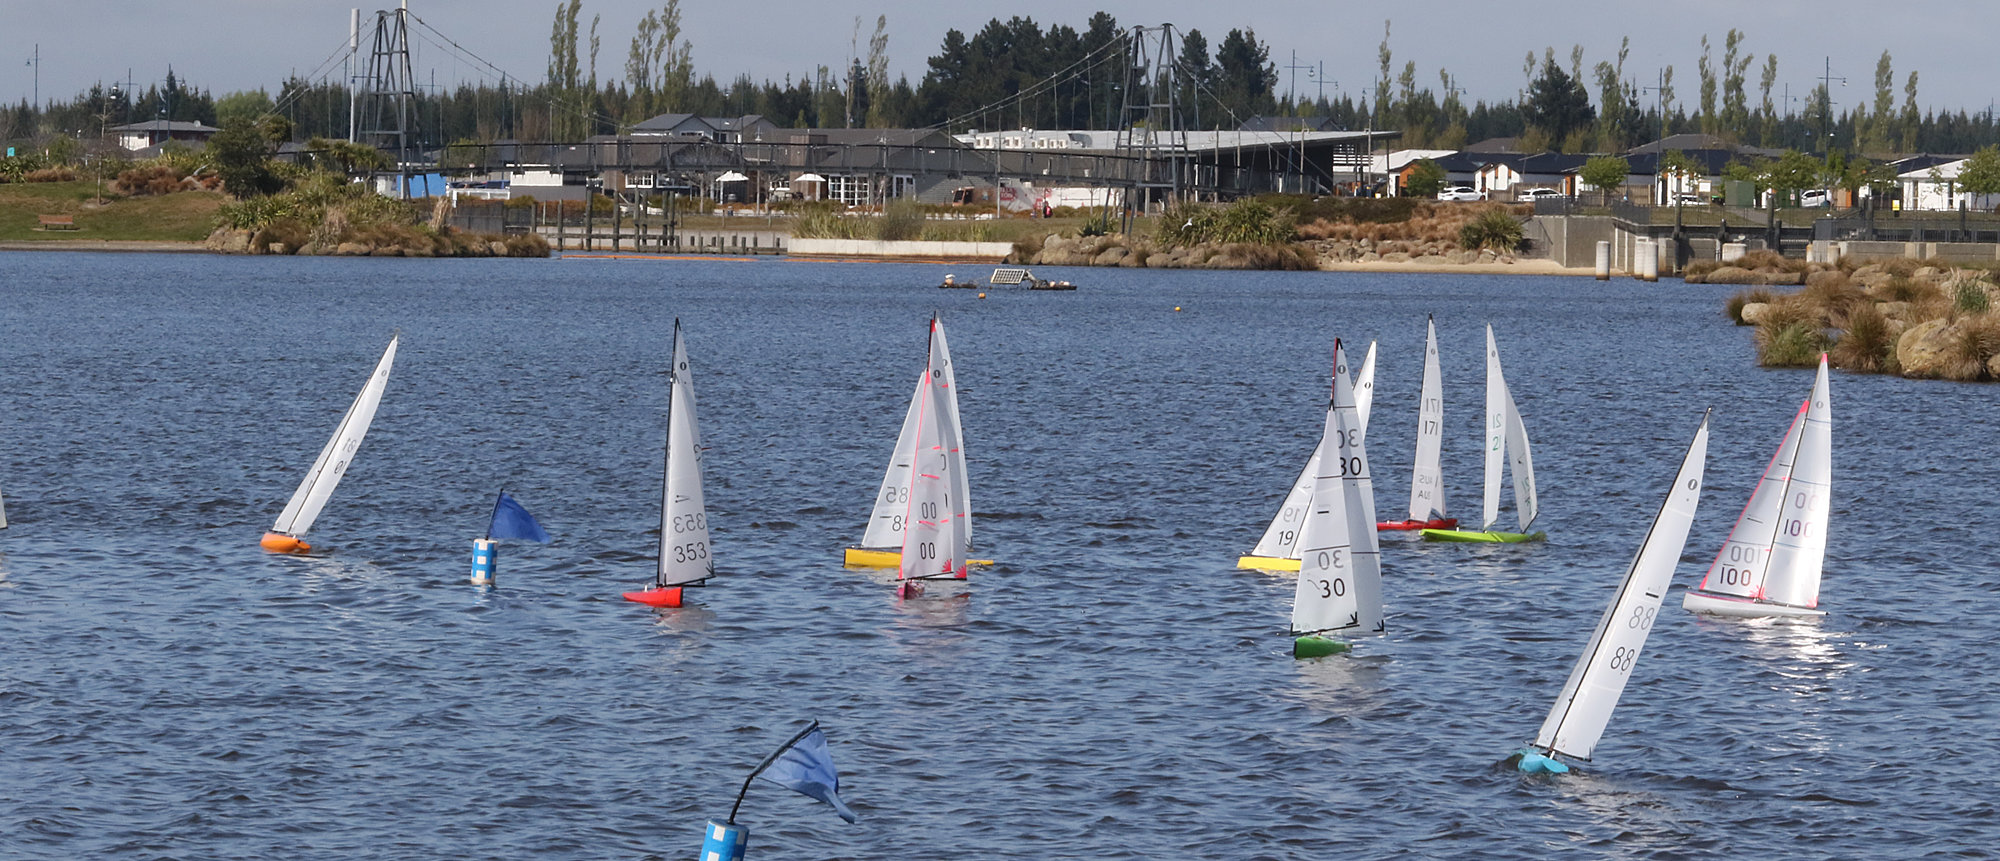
{"x":1113,"y":688}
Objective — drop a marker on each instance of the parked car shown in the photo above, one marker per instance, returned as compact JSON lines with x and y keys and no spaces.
{"x":1815,"y":197}
{"x":1461,"y":192}
{"x":1535,"y":194}
{"x":1688,"y":198}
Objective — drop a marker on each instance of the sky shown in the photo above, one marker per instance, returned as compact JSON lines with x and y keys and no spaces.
{"x":229,"y":45}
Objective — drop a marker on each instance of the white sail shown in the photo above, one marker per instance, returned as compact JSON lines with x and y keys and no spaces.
{"x":892,"y":500}
{"x":3,"y":512}
{"x":1340,"y":572}
{"x":684,"y":544}
{"x":333,"y":460}
{"x":1522,"y":460}
{"x":1281,"y":538}
{"x":933,"y":542}
{"x":1496,"y":432}
{"x":1579,"y":715}
{"x":1364,"y":387}
{"x":1740,"y":566}
{"x":1799,"y":550}
{"x":1427,"y":476}
{"x":961,"y":487}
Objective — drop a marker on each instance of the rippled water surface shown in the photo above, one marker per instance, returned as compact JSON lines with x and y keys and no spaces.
{"x":1113,"y":688}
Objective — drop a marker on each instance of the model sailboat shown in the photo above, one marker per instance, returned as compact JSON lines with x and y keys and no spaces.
{"x":1770,"y":565}
{"x":1426,"y":475}
{"x":326,"y":471}
{"x":1580,"y":713}
{"x":1340,"y":563}
{"x":1278,"y":550}
{"x":1506,"y":442}
{"x":883,"y":539}
{"x":684,"y":558}
{"x":936,"y":527}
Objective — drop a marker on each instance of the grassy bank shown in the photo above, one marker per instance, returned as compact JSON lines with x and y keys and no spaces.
{"x":184,"y":216}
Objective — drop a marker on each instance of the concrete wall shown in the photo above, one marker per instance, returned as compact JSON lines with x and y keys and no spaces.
{"x":1573,"y":239}
{"x":984,"y":251}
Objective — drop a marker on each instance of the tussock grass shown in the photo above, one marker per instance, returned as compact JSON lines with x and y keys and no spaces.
{"x":1974,"y":341}
{"x":1866,"y":344}
{"x":1734,"y":310}
{"x":1794,"y":344}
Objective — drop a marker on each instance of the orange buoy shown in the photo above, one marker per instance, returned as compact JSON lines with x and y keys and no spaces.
{"x":669,"y":596}
{"x":982,"y":295}
{"x":278,"y":542}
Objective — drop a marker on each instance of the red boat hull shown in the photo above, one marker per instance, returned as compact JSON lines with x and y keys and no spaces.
{"x":1412,"y":525}
{"x":668,"y":597}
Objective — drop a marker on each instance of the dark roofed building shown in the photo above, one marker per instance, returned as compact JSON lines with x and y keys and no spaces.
{"x":138,"y":136}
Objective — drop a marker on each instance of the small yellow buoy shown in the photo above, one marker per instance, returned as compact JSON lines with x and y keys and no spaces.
{"x":1177,"y":307}
{"x":982,"y":295}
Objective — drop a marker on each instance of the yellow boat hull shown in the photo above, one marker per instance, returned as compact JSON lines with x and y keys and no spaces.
{"x":863,"y":557}
{"x":1267,"y":563}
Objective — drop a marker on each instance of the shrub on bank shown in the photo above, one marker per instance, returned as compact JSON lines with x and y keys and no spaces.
{"x":1494,"y":229}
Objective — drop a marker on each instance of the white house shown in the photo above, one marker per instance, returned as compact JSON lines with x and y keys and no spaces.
{"x":1936,"y":189}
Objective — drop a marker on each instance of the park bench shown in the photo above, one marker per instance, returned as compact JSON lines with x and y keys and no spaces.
{"x":58,"y":222}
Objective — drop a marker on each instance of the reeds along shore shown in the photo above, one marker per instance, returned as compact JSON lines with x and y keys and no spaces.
{"x":1899,"y":317}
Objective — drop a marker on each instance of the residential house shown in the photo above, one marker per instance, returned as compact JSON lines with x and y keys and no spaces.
{"x":153,"y":133}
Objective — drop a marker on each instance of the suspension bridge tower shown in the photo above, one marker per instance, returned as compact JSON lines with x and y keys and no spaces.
{"x":385,"y":97}
{"x":1152,"y":141}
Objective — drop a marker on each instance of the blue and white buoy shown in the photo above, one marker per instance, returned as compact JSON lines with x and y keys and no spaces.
{"x":724,"y":841}
{"x":485,"y":555}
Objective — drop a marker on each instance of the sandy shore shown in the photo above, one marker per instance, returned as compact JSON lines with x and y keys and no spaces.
{"x":103,"y":245}
{"x":1520,"y":267}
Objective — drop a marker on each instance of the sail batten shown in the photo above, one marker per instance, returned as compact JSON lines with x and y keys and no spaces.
{"x":319,"y":483}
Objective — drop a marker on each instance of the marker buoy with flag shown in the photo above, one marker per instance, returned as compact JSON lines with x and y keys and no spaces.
{"x":802,"y":765}
{"x":510,"y":520}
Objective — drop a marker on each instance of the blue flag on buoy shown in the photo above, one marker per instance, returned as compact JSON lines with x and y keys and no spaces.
{"x":510,"y":520}
{"x":805,"y":766}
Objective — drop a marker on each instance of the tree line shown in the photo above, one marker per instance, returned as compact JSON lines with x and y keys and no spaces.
{"x":1017,"y":73}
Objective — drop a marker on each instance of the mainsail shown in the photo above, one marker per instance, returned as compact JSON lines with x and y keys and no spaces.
{"x":1577,"y":720}
{"x":684,"y":540}
{"x":1340,"y":573}
{"x":333,"y":460}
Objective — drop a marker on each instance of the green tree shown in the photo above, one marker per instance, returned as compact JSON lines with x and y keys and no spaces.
{"x":1981,"y":173}
{"x":1605,"y":172}
{"x":1707,"y":72}
{"x":242,"y":157}
{"x":1557,"y":103}
{"x":1427,"y":178}
{"x":248,"y":105}
{"x":1735,"y":105}
{"x":1790,"y":174}
{"x":1246,"y":79}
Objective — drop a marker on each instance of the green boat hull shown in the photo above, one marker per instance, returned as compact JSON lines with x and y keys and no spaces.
{"x":1477,"y":537}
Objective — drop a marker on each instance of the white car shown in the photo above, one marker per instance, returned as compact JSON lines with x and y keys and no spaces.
{"x":1461,"y":192}
{"x":1534,"y":194}
{"x":1815,"y":197}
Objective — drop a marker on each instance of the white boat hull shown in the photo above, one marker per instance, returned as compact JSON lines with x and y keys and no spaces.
{"x":1743,"y":608}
